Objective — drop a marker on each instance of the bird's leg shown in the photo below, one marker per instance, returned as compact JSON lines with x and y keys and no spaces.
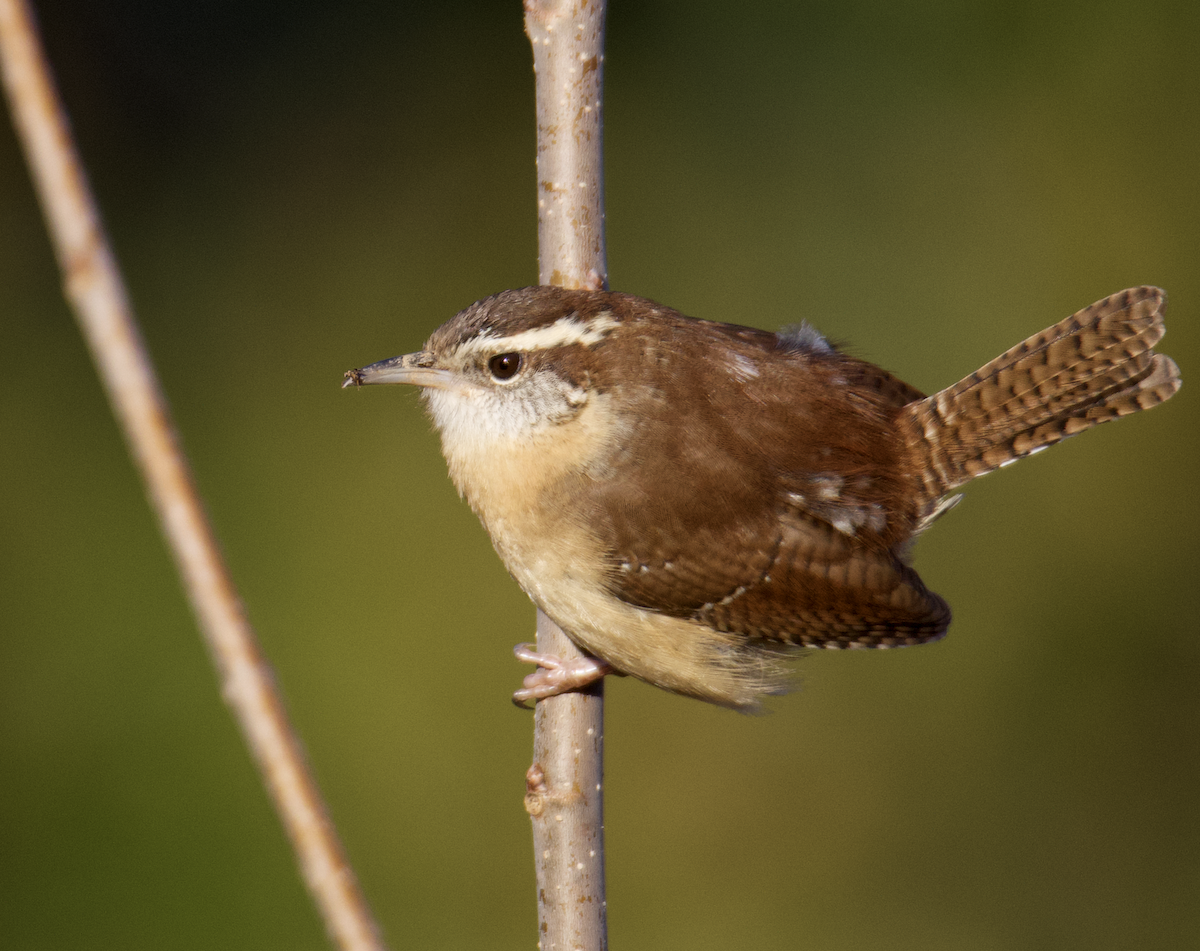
{"x":555,"y":675}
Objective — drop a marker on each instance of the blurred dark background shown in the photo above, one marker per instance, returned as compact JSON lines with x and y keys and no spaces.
{"x":298,"y":189}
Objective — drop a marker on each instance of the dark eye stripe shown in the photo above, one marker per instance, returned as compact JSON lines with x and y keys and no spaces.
{"x":504,"y":366}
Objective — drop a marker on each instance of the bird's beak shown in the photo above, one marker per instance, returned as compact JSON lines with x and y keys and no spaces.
{"x":415,"y":368}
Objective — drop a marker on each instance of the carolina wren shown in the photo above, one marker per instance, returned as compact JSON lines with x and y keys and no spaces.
{"x":688,"y":499}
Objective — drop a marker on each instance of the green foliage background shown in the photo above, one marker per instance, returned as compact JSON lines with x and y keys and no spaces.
{"x":297,"y":189}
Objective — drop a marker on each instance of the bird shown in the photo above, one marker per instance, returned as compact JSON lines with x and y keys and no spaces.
{"x":694,"y":502}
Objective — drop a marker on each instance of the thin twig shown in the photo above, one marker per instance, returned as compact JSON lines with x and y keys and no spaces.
{"x":564,"y":788}
{"x":97,"y":294}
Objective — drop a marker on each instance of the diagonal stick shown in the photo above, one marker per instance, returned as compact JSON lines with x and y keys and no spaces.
{"x":98,"y":297}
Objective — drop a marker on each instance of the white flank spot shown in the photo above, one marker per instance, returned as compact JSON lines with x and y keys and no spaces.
{"x":735,"y":594}
{"x":876,"y":519}
{"x":829,"y":487}
{"x":742,"y":368}
{"x":843,"y":525}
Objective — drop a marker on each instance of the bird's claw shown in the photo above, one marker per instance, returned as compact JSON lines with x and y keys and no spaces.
{"x":555,"y":675}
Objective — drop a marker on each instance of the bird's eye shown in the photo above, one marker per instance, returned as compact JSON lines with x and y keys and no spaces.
{"x":504,"y":366}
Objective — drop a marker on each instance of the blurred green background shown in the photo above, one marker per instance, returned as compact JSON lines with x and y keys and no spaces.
{"x":298,"y":189}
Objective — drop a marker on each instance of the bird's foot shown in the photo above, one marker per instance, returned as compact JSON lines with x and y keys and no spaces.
{"x":555,"y":675}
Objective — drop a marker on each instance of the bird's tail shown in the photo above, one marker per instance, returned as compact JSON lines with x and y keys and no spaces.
{"x":1096,"y":365}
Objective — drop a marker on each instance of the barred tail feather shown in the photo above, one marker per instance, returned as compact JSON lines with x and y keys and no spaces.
{"x":1094,"y":366}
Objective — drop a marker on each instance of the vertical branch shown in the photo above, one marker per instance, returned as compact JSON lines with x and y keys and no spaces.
{"x":97,"y":295}
{"x":568,"y":60}
{"x":564,"y":787}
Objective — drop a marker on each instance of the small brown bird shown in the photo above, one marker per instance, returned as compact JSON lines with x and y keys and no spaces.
{"x":688,"y":500}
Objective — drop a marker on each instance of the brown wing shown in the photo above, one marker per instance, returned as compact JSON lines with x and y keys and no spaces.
{"x":776,"y":510}
{"x":823,"y":590}
{"x":800,"y":581}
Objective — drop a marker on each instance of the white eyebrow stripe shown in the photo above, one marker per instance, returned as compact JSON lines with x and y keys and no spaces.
{"x":564,"y":332}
